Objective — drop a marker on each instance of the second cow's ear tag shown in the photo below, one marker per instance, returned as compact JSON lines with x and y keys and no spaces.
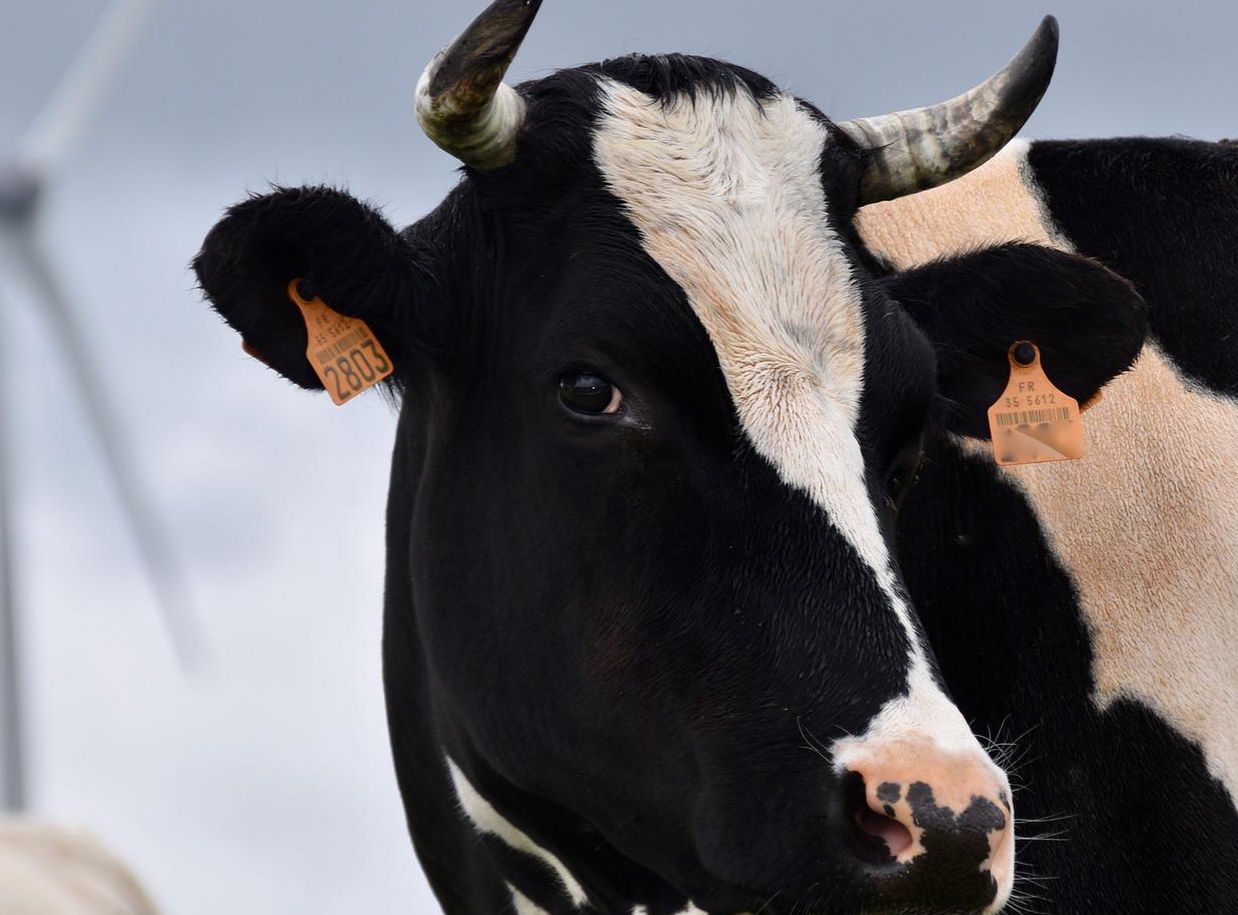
{"x":343,"y":351}
{"x":1033,"y":421}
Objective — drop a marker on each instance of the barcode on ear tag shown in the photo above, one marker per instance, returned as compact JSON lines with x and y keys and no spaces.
{"x":1033,"y":422}
{"x":343,"y":351}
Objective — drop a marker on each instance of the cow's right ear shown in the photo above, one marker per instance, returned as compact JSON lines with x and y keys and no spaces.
{"x":345,"y":252}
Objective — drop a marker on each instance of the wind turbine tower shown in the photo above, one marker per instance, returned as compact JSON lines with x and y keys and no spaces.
{"x":24,"y":183}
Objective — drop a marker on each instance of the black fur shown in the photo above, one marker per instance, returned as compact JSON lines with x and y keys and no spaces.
{"x":1164,"y":214}
{"x":344,"y":250}
{"x":1088,"y":322}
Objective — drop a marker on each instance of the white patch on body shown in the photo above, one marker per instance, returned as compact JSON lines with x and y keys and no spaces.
{"x":489,"y":821}
{"x":995,"y":203}
{"x":1147,"y":523}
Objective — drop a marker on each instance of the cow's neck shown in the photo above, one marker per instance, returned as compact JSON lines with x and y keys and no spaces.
{"x":561,"y":864}
{"x":1160,"y":488}
{"x":1119,"y":616}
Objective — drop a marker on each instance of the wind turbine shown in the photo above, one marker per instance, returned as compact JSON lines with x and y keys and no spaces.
{"x":23,"y":183}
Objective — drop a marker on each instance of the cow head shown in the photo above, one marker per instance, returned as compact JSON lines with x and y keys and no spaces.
{"x":658,"y":410}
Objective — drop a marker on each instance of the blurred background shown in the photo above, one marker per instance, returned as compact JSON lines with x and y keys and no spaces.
{"x":262,"y":784}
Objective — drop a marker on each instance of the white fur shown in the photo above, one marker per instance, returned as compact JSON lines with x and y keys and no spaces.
{"x":489,"y":821}
{"x":726,"y":192}
{"x":522,"y":904}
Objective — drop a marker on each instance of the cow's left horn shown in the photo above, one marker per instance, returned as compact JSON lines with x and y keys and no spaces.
{"x":925,"y":147}
{"x":462,"y":102}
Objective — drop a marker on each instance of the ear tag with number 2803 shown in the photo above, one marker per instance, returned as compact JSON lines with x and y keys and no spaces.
{"x":1033,"y":421}
{"x":343,"y":351}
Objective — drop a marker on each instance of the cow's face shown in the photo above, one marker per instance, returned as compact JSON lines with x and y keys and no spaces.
{"x":649,"y":542}
{"x":657,"y":418}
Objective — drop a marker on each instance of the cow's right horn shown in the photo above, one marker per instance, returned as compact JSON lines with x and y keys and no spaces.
{"x":463,"y":104}
{"x":925,"y":147}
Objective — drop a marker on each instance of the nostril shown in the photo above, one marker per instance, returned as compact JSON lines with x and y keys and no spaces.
{"x":896,"y":836}
{"x":876,"y":836}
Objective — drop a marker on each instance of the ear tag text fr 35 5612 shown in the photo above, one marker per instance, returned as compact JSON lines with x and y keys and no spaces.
{"x":343,"y":351}
{"x":1033,"y":421}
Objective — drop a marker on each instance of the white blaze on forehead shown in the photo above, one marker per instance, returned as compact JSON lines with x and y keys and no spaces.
{"x":489,"y":821}
{"x":726,"y":193}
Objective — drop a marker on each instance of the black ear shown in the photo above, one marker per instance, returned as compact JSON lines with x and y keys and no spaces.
{"x":346,"y":252}
{"x":1088,"y":322}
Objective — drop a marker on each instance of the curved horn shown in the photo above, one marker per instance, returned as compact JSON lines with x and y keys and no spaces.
{"x":463,"y":104}
{"x":925,"y":147}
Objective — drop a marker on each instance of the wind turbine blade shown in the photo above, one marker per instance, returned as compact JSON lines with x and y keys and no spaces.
{"x":83,"y":86}
{"x":12,"y":729}
{"x":153,"y":542}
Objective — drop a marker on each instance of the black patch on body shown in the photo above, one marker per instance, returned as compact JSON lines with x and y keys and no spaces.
{"x":1164,"y":214}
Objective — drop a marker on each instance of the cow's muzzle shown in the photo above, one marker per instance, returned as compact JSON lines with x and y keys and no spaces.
{"x":931,"y":828}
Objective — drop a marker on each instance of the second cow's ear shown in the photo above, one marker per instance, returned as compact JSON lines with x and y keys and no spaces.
{"x":345,"y":252}
{"x":1088,"y":322}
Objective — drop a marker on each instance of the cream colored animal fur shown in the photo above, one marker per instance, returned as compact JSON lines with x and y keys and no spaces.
{"x":45,"y":870}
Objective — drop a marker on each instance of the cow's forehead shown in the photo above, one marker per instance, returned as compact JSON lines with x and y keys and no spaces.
{"x":726,"y":192}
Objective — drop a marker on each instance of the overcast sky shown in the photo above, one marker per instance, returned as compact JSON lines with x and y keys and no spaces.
{"x":265,"y":786}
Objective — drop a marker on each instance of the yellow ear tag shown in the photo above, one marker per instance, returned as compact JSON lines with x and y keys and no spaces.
{"x":1033,"y":421}
{"x":343,"y":351}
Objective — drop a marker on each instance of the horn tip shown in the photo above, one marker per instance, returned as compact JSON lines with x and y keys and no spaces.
{"x":1047,"y":37}
{"x":462,"y":102}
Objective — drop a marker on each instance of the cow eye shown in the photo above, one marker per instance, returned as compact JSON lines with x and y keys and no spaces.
{"x":585,"y":392}
{"x":902,"y":474}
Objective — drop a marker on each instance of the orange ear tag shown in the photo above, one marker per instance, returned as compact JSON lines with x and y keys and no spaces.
{"x":343,"y":351}
{"x":1033,"y":421}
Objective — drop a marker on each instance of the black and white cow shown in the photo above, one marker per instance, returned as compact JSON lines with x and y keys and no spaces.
{"x":646,"y":646}
{"x":1093,"y":606}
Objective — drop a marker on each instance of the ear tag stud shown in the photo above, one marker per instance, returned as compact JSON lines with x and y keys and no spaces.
{"x":343,"y":351}
{"x":1033,"y":422}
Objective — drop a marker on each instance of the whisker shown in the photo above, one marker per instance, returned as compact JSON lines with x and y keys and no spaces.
{"x":1054,"y":819}
{"x":1059,"y":836}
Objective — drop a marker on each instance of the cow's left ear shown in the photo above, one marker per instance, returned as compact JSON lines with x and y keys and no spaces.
{"x":344,"y":250}
{"x":1088,"y":322}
